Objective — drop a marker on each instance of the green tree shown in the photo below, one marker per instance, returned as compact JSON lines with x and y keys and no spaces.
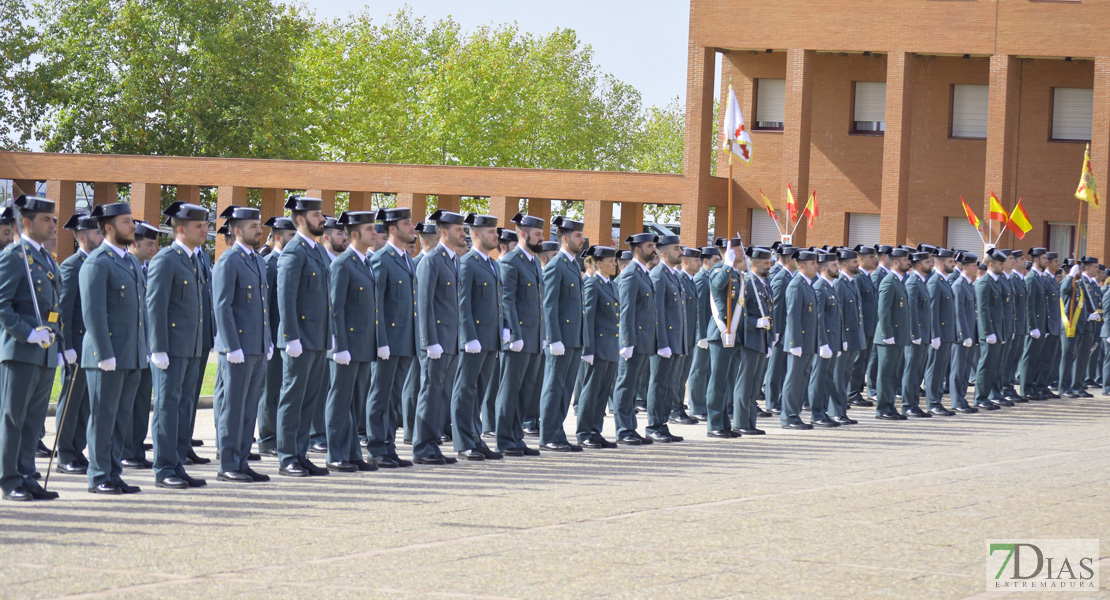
{"x":17,"y":45}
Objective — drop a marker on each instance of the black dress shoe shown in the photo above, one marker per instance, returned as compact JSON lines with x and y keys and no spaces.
{"x":776,"y":411}
{"x":1003,"y":402}
{"x":127,"y":488}
{"x":71,"y":468}
{"x":748,"y":431}
{"x":256,"y":476}
{"x":489,"y":435}
{"x":472,"y":455}
{"x":555,"y":447}
{"x":660,"y":436}
{"x":104,"y":488}
{"x":1082,"y":394}
{"x":363,"y":442}
{"x":490,"y":454}
{"x":797,"y":426}
{"x":19,"y":494}
{"x":604,"y":442}
{"x":402,"y":463}
{"x":429,"y":460}
{"x":890,"y":417}
{"x":383,"y":462}
{"x":530,"y":451}
{"x":364,"y":466}
{"x":272,"y":452}
{"x":293,"y":470}
{"x":343,"y":467}
{"x":862,"y":403}
{"x":407,"y":441}
{"x":38,"y":493}
{"x":763,"y":414}
{"x":965,"y":410}
{"x":825,"y":423}
{"x":723,"y":434}
{"x":940,"y":411}
{"x":531,"y":432}
{"x":253,"y":456}
{"x":172,"y":482}
{"x":148,"y":446}
{"x":196,"y":442}
{"x":449,"y":460}
{"x":133,"y":463}
{"x":41,"y":451}
{"x":319,"y":448}
{"x":591,"y":444}
{"x":512,"y":452}
{"x":234,"y":477}
{"x":683,"y":420}
{"x":844,"y":420}
{"x":916,"y":413}
{"x":700,"y":417}
{"x":192,"y":459}
{"x":312,"y":469}
{"x":986,"y":406}
{"x":192,"y":481}
{"x":446,"y":438}
{"x":630,"y":440}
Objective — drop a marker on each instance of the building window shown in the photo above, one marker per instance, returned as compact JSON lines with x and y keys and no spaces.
{"x":1071,"y":114}
{"x":969,"y":111}
{"x":770,"y":103}
{"x":765,"y":231}
{"x":863,"y":228}
{"x":1061,"y":240}
{"x":962,"y":236}
{"x":869,"y":107}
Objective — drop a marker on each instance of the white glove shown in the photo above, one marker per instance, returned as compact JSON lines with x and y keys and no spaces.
{"x":703,"y":344}
{"x":71,"y":356}
{"x":664,"y":352}
{"x":543,"y":345}
{"x":340,"y":358}
{"x":769,"y":351}
{"x":730,"y":257}
{"x":293,"y":349}
{"x":888,"y":341}
{"x":824,"y":351}
{"x":383,"y":352}
{"x":236,"y":357}
{"x":61,"y":358}
{"x":838,"y":353}
{"x":967,"y":343}
{"x":160,"y":360}
{"x":844,"y":346}
{"x":435,"y":351}
{"x":505,"y":336}
{"x":1108,"y":340}
{"x":558,"y":349}
{"x":763,"y":323}
{"x":1074,"y":271}
{"x":1094,"y":317}
{"x":626,"y":353}
{"x":935,"y":343}
{"x":776,"y":339}
{"x":473,"y":347}
{"x":588,"y":359}
{"x":1035,"y":334}
{"x":41,"y":337}
{"x":796,"y":351}
{"x":270,"y":352}
{"x":916,"y":342}
{"x":108,"y":364}
{"x":992,"y":339}
{"x":516,"y":346}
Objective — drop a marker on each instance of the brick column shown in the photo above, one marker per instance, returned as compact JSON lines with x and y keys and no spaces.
{"x":105,"y":193}
{"x":541,"y":207}
{"x":449,"y":202}
{"x":797,"y":131}
{"x":272,"y":203}
{"x":698,"y":153}
{"x":1098,"y":242}
{"x":632,"y":220}
{"x":1002,"y":126}
{"x":227,"y":195}
{"x":598,"y":216}
{"x":504,"y":208}
{"x":895,"y":199}
{"x":146,"y":202}
{"x":64,"y":195}
{"x":188,"y":193}
{"x":22,"y":186}
{"x":328,"y":196}
{"x":359,"y":201}
{"x":417,"y":203}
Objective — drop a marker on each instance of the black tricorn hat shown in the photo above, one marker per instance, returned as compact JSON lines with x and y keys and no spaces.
{"x":303,"y":203}
{"x":355,"y":217}
{"x":107,"y":211}
{"x":920,"y":256}
{"x":7,"y":215}
{"x":280,"y":224}
{"x":944,"y":253}
{"x":884,"y":249}
{"x":1037,"y":251}
{"x":824,"y":257}
{"x":708,"y":251}
{"x":186,"y":212}
{"x":506,"y":235}
{"x":35,"y":204}
{"x":564,"y":224}
{"x":80,"y":222}
{"x":804,"y":255}
{"x":968,"y":258}
{"x":332,"y":223}
{"x":640,"y":238}
{"x":625,"y":255}
{"x":241,"y":213}
{"x":146,"y":230}
{"x":601,"y":251}
{"x":846,"y":254}
{"x":391,"y":215}
{"x":549,"y":246}
{"x":861,"y":249}
{"x":667,"y":240}
{"x":446,"y":217}
{"x":477,"y":220}
{"x":224,"y":230}
{"x":426,"y":228}
{"x":896,"y":252}
{"x":759,"y":252}
{"x":526,"y":220}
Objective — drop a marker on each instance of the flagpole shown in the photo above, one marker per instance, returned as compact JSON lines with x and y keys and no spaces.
{"x":728,"y":301}
{"x":1075,"y":253}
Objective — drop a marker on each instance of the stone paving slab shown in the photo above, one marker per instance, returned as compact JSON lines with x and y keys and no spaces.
{"x":875,"y":510}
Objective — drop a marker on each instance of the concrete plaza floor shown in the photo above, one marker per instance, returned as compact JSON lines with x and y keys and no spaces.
{"x":876,"y":510}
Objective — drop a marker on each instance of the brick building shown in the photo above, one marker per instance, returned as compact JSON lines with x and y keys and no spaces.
{"x":893,"y":109}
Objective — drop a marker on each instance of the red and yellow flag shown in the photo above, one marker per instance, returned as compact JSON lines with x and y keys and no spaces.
{"x":791,"y":205}
{"x":770,"y":209}
{"x":997,"y":212}
{"x":811,"y":208}
{"x":1019,"y":222}
{"x":971,"y":218}
{"x":1087,"y":189}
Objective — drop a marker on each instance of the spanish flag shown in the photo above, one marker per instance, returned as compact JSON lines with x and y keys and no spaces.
{"x":997,"y":212}
{"x":1019,"y":222}
{"x":770,"y":209}
{"x":1087,"y":190}
{"x":791,"y":205}
{"x":811,"y":208}
{"x":971,"y":218}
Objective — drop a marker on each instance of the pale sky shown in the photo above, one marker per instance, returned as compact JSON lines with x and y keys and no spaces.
{"x":641,"y":42}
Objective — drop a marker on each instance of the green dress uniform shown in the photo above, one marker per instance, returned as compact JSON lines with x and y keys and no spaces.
{"x":851,"y":364}
{"x":877,"y":276}
{"x":482,"y":326}
{"x":679,"y":392}
{"x":967,"y":336}
{"x":304,"y":310}
{"x":1017,"y":346}
{"x":1050,"y":358}
{"x":670,"y":310}
{"x":639,"y":331}
{"x":174,"y":305}
{"x":830,"y":338}
{"x":1104,"y":341}
{"x":920,"y":334}
{"x":725,"y":287}
{"x":868,"y":295}
{"x":892,"y":336}
{"x":800,"y":341}
{"x":988,"y":304}
{"x":1036,"y":319}
{"x":113,"y":292}
{"x":271,"y":392}
{"x":406,"y":409}
{"x":755,"y":339}
{"x":1077,"y":306}
{"x":71,"y":431}
{"x":603,"y":316}
{"x":241,"y":301}
{"x":134,"y":451}
{"x":26,"y":369}
{"x":776,"y":364}
{"x":208,"y":336}
{"x":998,"y":392}
{"x":699,"y":370}
{"x":942,"y":306}
{"x":564,"y":313}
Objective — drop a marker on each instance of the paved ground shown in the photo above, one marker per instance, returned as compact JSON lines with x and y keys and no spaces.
{"x":877,"y":510}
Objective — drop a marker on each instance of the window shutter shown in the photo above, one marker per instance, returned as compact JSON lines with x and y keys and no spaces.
{"x":870,"y":101}
{"x":969,"y":111}
{"x":764,"y":229}
{"x":1072,"y":109}
{"x":863,"y":228}
{"x":962,"y":236}
{"x":770,"y":103}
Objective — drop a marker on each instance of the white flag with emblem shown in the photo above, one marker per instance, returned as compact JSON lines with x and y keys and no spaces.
{"x":737,"y":140}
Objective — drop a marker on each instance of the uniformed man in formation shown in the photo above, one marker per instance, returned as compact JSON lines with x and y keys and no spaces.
{"x":505,"y":331}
